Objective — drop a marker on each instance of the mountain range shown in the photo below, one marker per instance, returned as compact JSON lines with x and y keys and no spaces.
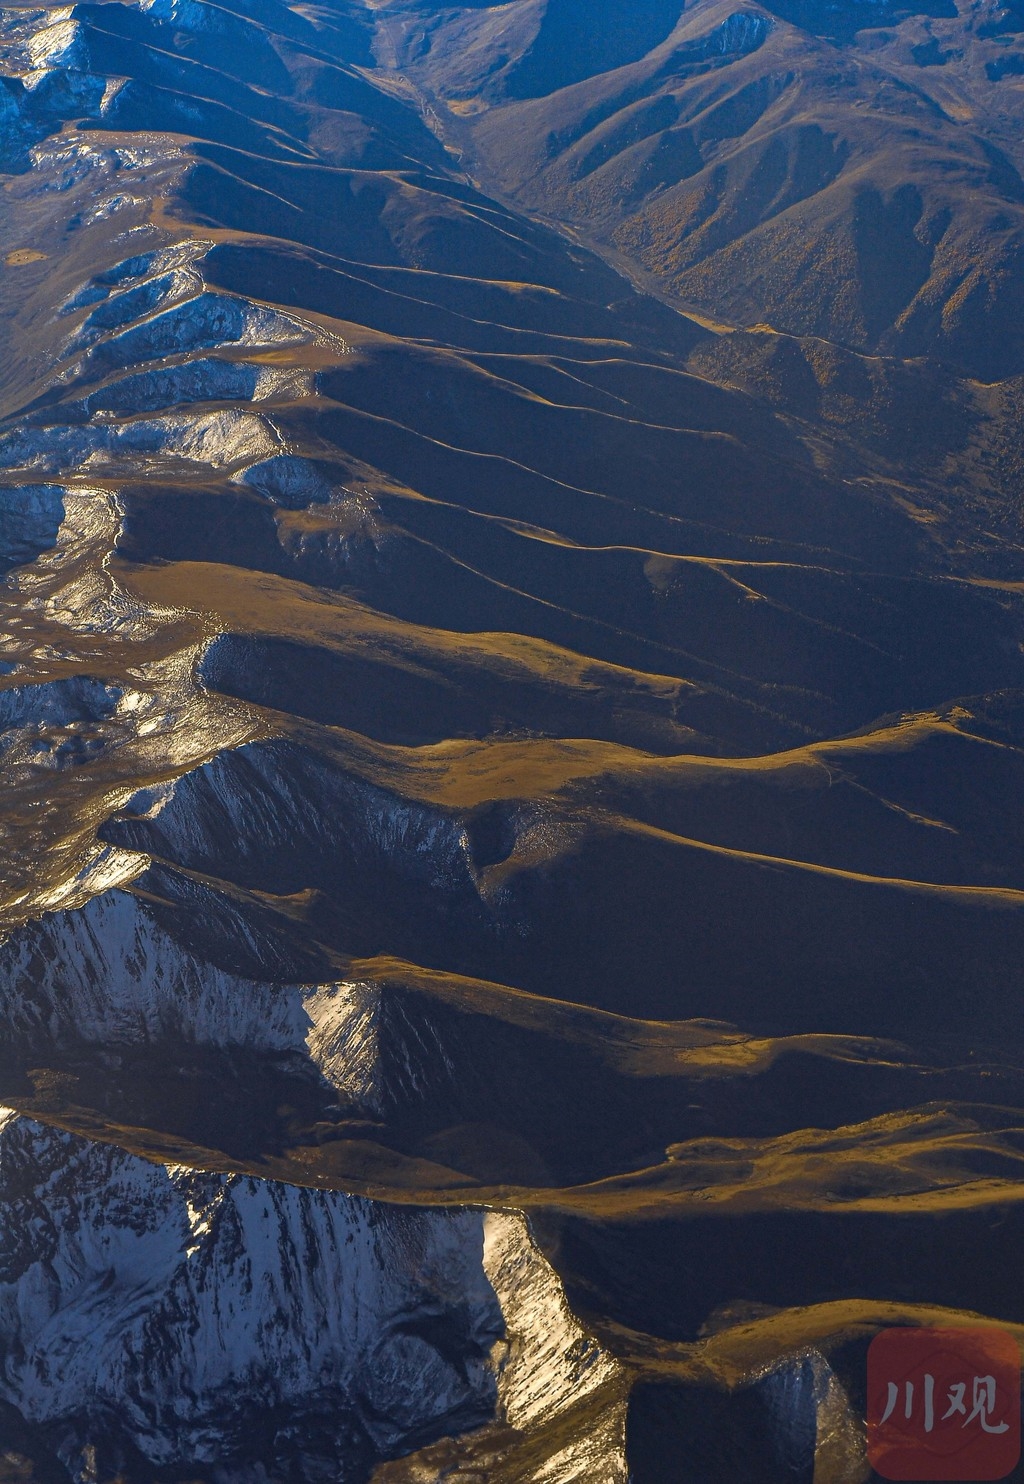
{"x":511,"y":717}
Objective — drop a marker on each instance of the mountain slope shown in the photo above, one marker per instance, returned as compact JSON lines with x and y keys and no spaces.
{"x":472,"y":738}
{"x":811,"y":169}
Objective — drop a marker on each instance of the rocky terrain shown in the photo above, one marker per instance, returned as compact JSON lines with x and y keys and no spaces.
{"x":511,"y":723}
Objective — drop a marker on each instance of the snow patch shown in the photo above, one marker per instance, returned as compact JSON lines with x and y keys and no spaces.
{"x":549,"y":1361}
{"x":217,"y":439}
{"x":288,"y":480}
{"x":60,"y":44}
{"x":58,"y":703}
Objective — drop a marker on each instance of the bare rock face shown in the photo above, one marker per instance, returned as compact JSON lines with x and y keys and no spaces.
{"x":29,"y":521}
{"x":198,"y":1319}
{"x":176,"y":1311}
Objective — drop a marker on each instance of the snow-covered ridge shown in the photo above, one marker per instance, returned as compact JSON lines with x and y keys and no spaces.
{"x":204,"y":380}
{"x":159,"y":1309}
{"x":267,"y":796}
{"x":169,"y":1310}
{"x":157,"y":304}
{"x":49,"y":74}
{"x":551,"y":1355}
{"x":215,"y":439}
{"x":287,"y":480}
{"x":107,"y":974}
{"x":45,"y":78}
{"x":36,"y":39}
{"x":742,"y":31}
{"x":192,"y":324}
{"x":149,"y":335}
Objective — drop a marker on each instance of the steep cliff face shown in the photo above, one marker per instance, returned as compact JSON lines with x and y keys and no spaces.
{"x":194,"y":1320}
{"x":29,"y":522}
{"x":186,"y":1306}
{"x":107,"y":975}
